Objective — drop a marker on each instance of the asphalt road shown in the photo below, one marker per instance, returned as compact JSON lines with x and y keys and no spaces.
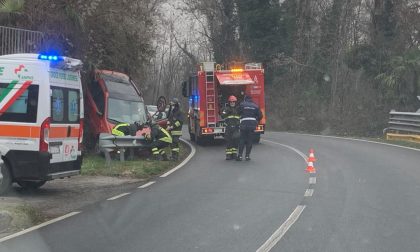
{"x":363,"y":197}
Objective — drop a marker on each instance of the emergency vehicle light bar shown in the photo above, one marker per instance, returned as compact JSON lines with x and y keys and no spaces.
{"x":50,"y":57}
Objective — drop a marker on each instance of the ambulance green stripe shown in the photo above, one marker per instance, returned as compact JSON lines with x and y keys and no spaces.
{"x":6,"y":91}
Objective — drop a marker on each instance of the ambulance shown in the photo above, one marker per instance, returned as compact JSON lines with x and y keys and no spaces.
{"x":41,"y":119}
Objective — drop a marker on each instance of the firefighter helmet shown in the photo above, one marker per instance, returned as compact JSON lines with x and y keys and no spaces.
{"x":174,"y":101}
{"x":232,"y":98}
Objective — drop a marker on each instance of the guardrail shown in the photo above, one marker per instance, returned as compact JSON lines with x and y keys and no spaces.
{"x":403,"y":126}
{"x":109,"y":143}
{"x":14,"y":40}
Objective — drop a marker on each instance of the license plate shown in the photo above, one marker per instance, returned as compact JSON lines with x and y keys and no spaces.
{"x":54,"y":149}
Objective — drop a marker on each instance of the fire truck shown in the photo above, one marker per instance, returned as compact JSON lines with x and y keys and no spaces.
{"x":208,"y":90}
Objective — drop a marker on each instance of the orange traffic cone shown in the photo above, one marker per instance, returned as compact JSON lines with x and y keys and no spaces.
{"x":310,"y":168}
{"x":311,"y":156}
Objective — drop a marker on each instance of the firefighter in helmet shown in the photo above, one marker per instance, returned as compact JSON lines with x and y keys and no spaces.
{"x":231,"y":116}
{"x":159,"y":138}
{"x":124,"y":129}
{"x":175,"y":126}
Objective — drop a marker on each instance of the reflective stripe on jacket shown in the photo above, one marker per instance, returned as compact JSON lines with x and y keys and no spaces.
{"x":121,"y":129}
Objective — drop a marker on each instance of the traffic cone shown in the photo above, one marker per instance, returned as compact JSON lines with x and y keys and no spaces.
{"x":311,"y":156}
{"x":310,"y":168}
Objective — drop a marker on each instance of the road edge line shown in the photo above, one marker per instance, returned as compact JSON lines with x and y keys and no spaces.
{"x":119,"y":196}
{"x":146,"y":185}
{"x":38,"y":226}
{"x":351,"y":139}
{"x":186,"y":160}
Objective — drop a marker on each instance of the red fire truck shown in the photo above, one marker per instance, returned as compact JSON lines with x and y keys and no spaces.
{"x":208,"y":90}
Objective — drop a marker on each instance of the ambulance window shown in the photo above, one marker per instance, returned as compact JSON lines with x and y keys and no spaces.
{"x":24,"y":108}
{"x":57,"y":105}
{"x":73,"y":106}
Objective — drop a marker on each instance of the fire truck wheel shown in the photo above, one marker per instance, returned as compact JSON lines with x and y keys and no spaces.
{"x":31,"y":184}
{"x":257,"y":138}
{"x":5,"y":179}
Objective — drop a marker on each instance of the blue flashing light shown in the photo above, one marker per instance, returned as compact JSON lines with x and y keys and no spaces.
{"x":50,"y":57}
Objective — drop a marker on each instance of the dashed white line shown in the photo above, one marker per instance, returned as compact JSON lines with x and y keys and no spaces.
{"x":309,"y":192}
{"x":279,"y":233}
{"x":118,"y":196}
{"x":312,"y":180}
{"x":183,"y":162}
{"x":147,"y":184}
{"x":38,"y":226}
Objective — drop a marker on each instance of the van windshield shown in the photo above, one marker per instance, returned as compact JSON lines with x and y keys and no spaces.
{"x":126,"y":111}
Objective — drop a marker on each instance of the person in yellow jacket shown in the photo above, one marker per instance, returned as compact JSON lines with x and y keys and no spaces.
{"x":175,"y":127}
{"x":160,"y":139}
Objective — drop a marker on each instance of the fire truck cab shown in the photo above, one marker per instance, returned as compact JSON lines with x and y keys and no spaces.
{"x":208,"y":90}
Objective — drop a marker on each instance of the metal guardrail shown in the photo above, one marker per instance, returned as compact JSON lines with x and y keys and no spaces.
{"x":109,"y":143}
{"x":404,"y":122}
{"x":14,"y":40}
{"x":403,"y":126}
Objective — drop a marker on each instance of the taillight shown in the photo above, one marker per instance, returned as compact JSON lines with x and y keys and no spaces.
{"x":45,"y":132}
{"x":81,"y":134}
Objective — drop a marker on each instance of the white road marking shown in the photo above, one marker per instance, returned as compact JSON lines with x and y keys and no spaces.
{"x":289,"y":147}
{"x":355,"y":139}
{"x":279,"y":233}
{"x":147,"y":184}
{"x":183,"y":162}
{"x":118,"y":196}
{"x":38,"y":226}
{"x":309,"y":192}
{"x":312,"y":180}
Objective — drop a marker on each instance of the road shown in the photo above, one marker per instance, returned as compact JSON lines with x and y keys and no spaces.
{"x":363,"y":197}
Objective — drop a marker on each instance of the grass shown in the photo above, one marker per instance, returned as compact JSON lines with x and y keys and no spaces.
{"x":140,"y":168}
{"x":23,"y":216}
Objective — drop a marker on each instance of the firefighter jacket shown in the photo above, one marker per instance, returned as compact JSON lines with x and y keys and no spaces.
{"x":175,"y":121}
{"x":250,"y":114}
{"x":158,"y":133}
{"x":231,"y":116}
{"x":121,"y":129}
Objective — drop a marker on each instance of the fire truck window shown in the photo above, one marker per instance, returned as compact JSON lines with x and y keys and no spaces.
{"x":24,"y":108}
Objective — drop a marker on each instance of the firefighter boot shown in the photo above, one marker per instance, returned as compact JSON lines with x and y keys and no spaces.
{"x":247,"y":158}
{"x":234,"y":155}
{"x":156,"y":157}
{"x":239,"y":158}
{"x":228,"y":156}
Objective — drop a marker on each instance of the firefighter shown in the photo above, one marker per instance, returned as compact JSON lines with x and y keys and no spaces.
{"x":124,"y":129}
{"x":175,"y":127}
{"x":231,"y":116}
{"x":250,"y":116}
{"x":159,"y":138}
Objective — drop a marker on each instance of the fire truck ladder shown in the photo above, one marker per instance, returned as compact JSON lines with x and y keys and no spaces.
{"x":211,"y":99}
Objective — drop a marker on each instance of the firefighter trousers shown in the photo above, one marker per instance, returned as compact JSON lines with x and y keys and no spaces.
{"x":175,"y":144}
{"x":158,"y":148}
{"x":232,"y":140}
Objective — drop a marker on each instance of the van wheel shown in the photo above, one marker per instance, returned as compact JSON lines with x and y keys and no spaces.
{"x":5,"y":179}
{"x":31,"y":184}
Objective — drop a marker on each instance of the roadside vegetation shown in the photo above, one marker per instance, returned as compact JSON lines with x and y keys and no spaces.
{"x":19,"y":217}
{"x":140,"y":168}
{"x":396,"y":142}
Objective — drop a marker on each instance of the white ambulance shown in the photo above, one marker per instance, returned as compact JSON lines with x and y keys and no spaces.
{"x":41,"y":119}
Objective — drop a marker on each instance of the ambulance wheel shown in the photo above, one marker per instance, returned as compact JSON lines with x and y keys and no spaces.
{"x":31,"y":184}
{"x":5,"y":179}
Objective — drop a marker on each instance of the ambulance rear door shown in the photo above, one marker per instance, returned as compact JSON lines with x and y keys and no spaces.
{"x":66,"y":114}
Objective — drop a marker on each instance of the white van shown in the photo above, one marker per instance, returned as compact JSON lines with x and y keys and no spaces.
{"x":41,"y":119}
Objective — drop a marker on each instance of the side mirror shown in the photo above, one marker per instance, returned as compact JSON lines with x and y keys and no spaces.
{"x":185,"y":89}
